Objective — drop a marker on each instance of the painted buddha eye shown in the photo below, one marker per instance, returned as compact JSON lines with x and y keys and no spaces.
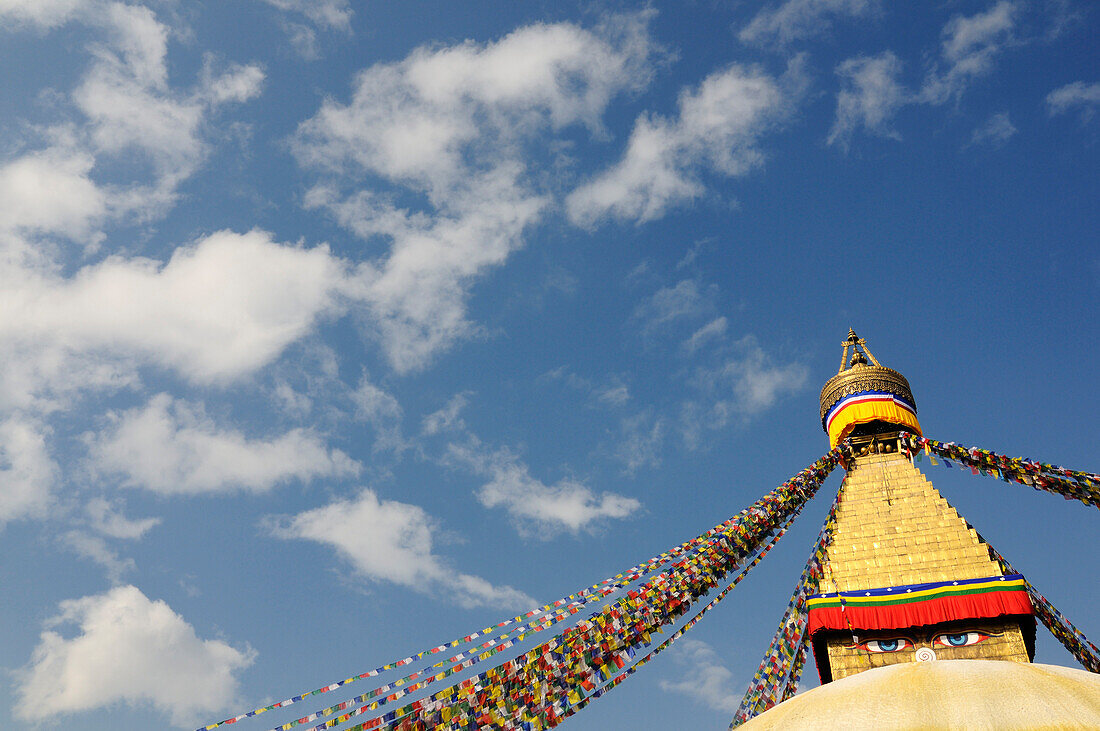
{"x":960,"y":639}
{"x":891,"y":645}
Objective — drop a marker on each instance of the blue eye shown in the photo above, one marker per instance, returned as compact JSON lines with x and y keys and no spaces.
{"x":961,"y":639}
{"x":892,"y":645}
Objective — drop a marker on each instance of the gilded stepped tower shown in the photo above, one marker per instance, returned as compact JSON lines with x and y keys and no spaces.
{"x":905,"y":577}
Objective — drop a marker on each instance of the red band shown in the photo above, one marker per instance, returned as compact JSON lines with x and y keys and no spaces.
{"x":916,"y":614}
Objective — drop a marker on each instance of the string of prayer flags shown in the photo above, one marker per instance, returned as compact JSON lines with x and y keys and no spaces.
{"x":1070,"y":484}
{"x":689,"y":624}
{"x":777,"y":677}
{"x":1063,"y":630}
{"x":537,"y":689}
{"x":558,"y":610}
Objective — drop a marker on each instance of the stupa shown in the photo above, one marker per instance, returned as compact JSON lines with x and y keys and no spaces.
{"x":906,"y":582}
{"x":914,"y":621}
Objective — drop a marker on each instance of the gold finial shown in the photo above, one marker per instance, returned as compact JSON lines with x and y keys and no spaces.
{"x":856,"y":344}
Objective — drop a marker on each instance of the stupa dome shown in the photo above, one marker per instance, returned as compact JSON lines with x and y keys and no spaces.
{"x":955,"y":694}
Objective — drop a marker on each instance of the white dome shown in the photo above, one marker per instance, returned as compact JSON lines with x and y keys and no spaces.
{"x":947,"y":694}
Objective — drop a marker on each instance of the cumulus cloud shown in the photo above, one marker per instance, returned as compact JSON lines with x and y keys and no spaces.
{"x":172,"y":447}
{"x":131,"y":108}
{"x":704,"y":678}
{"x":996,"y":131}
{"x":798,"y":19}
{"x":716,"y":130}
{"x":128,"y":648}
{"x":386,"y":540}
{"x":870,"y":97}
{"x":756,"y":381}
{"x":132,"y":116}
{"x":1078,"y":95}
{"x":27,"y":472}
{"x":969,"y":48}
{"x":453,"y":126}
{"x":539,"y":509}
{"x":218,"y":309}
{"x":51,"y":192}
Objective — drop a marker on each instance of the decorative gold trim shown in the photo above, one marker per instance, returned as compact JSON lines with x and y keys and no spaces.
{"x":857,"y":376}
{"x":866,"y":378}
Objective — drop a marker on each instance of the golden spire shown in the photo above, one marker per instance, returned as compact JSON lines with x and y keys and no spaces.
{"x":856,"y":343}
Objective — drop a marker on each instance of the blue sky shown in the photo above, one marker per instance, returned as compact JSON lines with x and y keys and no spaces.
{"x":335,"y":330}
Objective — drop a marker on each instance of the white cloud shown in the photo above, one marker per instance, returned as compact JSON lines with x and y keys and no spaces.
{"x":334,"y":14}
{"x":380,"y":409}
{"x":1077,"y":95}
{"x":615,"y":393}
{"x":704,"y":678}
{"x":756,"y":381}
{"x":416,"y":296}
{"x":27,"y":472}
{"x":797,"y":19}
{"x":237,"y":83}
{"x":997,"y":130}
{"x":129,"y":649}
{"x":970,"y":45}
{"x":685,"y":299}
{"x":452,"y":125}
{"x":132,"y":117}
{"x":386,"y":540}
{"x":640,"y":440}
{"x":316,"y":15}
{"x":716,"y":130}
{"x":172,"y":447}
{"x":870,"y":97}
{"x":50,"y":191}
{"x":43,"y":13}
{"x":217,"y":310}
{"x":131,"y":107}
{"x":448,"y":418}
{"x":107,"y":518}
{"x":713,"y":330}
{"x":96,"y":549}
{"x":745,"y":384}
{"x":538,"y":509}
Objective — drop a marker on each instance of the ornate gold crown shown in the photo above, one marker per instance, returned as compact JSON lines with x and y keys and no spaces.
{"x":859,"y":376}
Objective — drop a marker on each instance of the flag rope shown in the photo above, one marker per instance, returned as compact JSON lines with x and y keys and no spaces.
{"x":781,"y":668}
{"x":561,"y":608}
{"x":1070,"y":484}
{"x":618,"y":679}
{"x":544,"y":682}
{"x":1063,"y":630}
